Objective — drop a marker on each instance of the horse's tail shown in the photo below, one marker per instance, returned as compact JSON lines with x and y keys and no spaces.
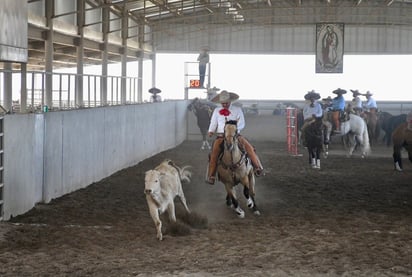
{"x":184,"y":173}
{"x":365,"y":137}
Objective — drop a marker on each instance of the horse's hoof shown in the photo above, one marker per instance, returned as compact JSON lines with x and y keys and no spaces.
{"x":250,"y":203}
{"x":240,"y":213}
{"x":398,"y":168}
{"x":256,"y":213}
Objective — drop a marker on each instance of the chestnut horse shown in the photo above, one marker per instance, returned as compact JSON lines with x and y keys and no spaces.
{"x":374,"y":127}
{"x":235,"y":167}
{"x":402,"y":138}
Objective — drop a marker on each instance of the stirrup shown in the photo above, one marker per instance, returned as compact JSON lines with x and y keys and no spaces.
{"x":211,"y":180}
{"x":259,"y":172}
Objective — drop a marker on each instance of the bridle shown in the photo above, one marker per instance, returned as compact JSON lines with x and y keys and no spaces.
{"x":230,"y":141}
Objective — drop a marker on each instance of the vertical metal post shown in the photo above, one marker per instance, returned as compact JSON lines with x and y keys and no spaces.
{"x":60,"y":91}
{"x":23,"y":88}
{"x":8,"y":86}
{"x":1,"y":168}
{"x":292,"y":130}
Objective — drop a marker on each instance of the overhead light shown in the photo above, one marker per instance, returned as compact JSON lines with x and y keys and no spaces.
{"x":390,"y":2}
{"x":225,"y":5}
{"x":231,"y":11}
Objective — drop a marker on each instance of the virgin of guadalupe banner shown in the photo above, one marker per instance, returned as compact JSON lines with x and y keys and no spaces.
{"x":329,"y":47}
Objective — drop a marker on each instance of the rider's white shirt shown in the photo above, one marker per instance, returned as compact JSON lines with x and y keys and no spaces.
{"x":217,"y":122}
{"x":309,"y":111}
{"x":357,"y":102}
{"x":371,"y":103}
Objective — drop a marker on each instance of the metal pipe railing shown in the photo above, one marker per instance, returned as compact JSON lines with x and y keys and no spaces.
{"x":63,"y":91}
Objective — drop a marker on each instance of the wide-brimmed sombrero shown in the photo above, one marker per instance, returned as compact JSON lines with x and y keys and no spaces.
{"x":155,"y":90}
{"x":327,"y":99}
{"x":225,"y":97}
{"x":312,"y":95}
{"x":355,"y":92}
{"x":368,"y":93}
{"x":339,"y":91}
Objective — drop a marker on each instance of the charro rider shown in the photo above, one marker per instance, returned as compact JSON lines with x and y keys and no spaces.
{"x":370,"y":105}
{"x":155,"y":97}
{"x":356,"y":102}
{"x":338,"y":106}
{"x":217,"y":125}
{"x":311,"y":111}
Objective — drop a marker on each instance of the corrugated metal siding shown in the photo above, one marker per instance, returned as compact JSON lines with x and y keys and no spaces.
{"x":286,"y":39}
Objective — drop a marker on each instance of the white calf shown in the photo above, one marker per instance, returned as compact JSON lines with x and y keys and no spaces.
{"x":162,"y":185}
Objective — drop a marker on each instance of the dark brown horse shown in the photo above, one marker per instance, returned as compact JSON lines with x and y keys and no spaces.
{"x":314,"y":141}
{"x":389,"y":123}
{"x":402,"y":138}
{"x":203,"y":111}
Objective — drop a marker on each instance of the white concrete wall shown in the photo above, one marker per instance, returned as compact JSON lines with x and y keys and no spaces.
{"x":49,"y":155}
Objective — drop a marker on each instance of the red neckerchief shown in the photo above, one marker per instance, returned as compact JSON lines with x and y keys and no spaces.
{"x":224,"y":112}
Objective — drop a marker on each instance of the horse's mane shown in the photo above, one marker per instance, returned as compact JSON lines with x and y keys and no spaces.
{"x":232,"y":122}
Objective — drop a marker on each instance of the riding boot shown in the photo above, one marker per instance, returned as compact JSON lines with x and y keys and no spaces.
{"x":335,"y":116}
{"x":213,"y":156}
{"x":250,"y":150}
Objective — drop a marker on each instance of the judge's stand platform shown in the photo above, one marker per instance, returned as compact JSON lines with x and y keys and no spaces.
{"x":193,"y":86}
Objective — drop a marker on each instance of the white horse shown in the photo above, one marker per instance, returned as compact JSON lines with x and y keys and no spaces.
{"x":355,"y":128}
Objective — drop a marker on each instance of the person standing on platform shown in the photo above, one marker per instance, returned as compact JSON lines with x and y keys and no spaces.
{"x":203,"y":60}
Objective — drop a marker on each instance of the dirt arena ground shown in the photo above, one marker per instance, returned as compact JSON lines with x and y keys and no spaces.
{"x":353,"y":217}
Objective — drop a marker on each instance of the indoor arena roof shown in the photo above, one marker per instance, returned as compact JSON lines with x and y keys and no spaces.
{"x":163,"y":15}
